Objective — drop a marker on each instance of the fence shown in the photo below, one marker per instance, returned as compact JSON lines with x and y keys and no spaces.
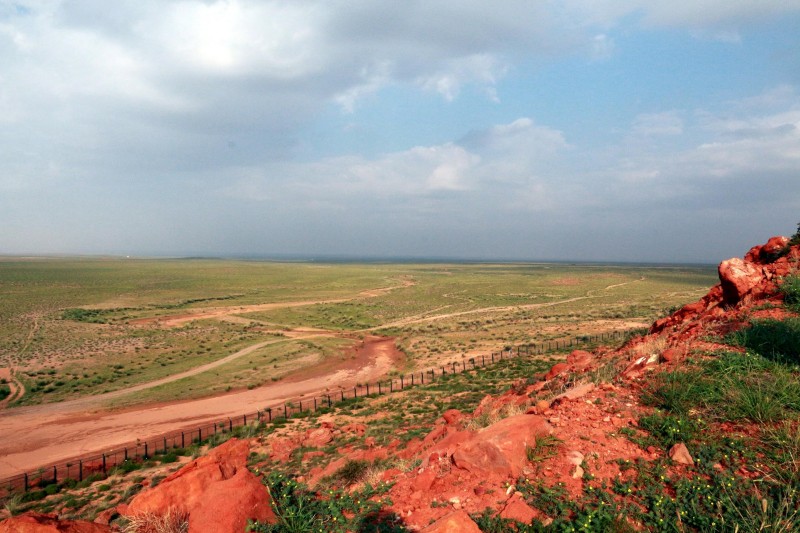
{"x":99,"y":465}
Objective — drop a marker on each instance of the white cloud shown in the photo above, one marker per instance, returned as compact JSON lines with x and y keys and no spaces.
{"x":652,"y":124}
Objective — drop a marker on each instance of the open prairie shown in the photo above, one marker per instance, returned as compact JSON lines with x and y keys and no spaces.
{"x":138,"y":331}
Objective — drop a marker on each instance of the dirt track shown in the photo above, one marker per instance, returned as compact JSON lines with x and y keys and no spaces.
{"x":33,"y":437}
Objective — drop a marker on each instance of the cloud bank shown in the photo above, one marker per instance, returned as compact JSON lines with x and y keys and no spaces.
{"x":175,"y":127}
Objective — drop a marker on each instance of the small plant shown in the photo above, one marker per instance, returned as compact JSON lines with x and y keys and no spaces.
{"x":299,"y":510}
{"x":173,"y":521}
{"x":669,"y":429}
{"x":790,"y":288}
{"x":13,"y":504}
{"x":352,"y":472}
{"x":795,"y":239}
{"x":543,"y":448}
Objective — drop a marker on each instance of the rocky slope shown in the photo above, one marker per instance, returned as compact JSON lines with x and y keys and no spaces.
{"x":571,"y":432}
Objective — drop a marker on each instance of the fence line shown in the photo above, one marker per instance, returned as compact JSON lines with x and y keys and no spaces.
{"x":98,"y":466}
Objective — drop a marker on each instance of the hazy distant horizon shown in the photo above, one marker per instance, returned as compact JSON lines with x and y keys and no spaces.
{"x":351,"y":259}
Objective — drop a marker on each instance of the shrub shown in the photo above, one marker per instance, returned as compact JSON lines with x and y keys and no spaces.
{"x":795,"y":239}
{"x":173,"y":521}
{"x":352,"y":472}
{"x":669,"y":429}
{"x":778,"y":340}
{"x":300,"y":510}
{"x":84,"y":315}
{"x":790,"y":288}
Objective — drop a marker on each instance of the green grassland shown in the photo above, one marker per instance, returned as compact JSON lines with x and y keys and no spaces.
{"x":68,"y":327}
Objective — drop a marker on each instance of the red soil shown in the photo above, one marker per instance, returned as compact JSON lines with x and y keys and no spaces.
{"x":40,"y":435}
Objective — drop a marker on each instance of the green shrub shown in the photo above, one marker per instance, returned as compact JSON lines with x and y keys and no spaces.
{"x":352,"y":472}
{"x":795,"y":239}
{"x":84,"y":315}
{"x":790,"y":288}
{"x":669,"y":429}
{"x":777,"y":340}
{"x":301,"y":510}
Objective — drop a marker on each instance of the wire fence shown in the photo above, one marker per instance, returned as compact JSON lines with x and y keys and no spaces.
{"x":99,"y":465}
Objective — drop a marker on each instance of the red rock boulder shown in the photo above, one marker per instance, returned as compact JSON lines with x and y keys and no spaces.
{"x":501,"y":449}
{"x":738,"y":278}
{"x":44,"y":523}
{"x":216,"y":492}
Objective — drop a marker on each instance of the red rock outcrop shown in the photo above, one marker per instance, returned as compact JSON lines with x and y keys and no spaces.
{"x":216,"y":492}
{"x":500,"y":449}
{"x":44,"y":523}
{"x":754,"y":277}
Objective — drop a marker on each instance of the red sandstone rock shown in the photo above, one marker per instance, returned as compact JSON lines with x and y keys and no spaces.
{"x":672,"y":355}
{"x":216,"y":492}
{"x":228,"y":505}
{"x":558,"y":368}
{"x":578,"y":391}
{"x":355,"y":427}
{"x":517,"y":509}
{"x":738,"y":278}
{"x":500,"y":449}
{"x":424,"y":481}
{"x":452,"y":416}
{"x":456,"y":522}
{"x":317,"y":438}
{"x":580,"y":360}
{"x":680,"y":454}
{"x":105,"y":517}
{"x":43,"y":523}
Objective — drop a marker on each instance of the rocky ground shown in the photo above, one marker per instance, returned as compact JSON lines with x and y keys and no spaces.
{"x":650,"y":436}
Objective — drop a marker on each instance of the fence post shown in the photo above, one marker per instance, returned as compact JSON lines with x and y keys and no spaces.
{"x":379,"y":388}
{"x":454,"y":367}
{"x":165,"y":444}
{"x":269,"y":413}
{"x":464,"y":365}
{"x":443,"y":371}
{"x":80,"y":469}
{"x":25,"y":481}
{"x":483,"y":360}
{"x":104,"y":464}
{"x":355,"y":393}
{"x":244,"y":420}
{"x":199,"y":435}
{"x":55,"y":474}
{"x":329,"y":400}
{"x":183,"y":441}
{"x":391,"y":385}
{"x":315,"y":404}
{"x":145,"y":450}
{"x":342,"y":391}
{"x":401,"y":383}
{"x":367,"y":389}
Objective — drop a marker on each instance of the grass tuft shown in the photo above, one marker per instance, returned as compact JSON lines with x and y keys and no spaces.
{"x":173,"y":521}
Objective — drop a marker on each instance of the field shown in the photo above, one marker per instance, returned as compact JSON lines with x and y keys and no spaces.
{"x":71,"y":328}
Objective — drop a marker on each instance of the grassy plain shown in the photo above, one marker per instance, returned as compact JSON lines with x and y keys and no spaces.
{"x":75,"y":327}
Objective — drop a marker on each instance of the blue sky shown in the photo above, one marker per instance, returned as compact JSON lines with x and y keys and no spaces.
{"x":616,"y":130}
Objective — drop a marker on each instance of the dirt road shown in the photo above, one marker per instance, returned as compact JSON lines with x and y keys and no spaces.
{"x":35,"y":438}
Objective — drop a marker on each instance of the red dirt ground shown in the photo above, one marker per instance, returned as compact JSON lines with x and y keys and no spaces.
{"x":39,"y":435}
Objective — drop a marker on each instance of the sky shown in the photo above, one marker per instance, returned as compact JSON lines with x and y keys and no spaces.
{"x":578,"y":130}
